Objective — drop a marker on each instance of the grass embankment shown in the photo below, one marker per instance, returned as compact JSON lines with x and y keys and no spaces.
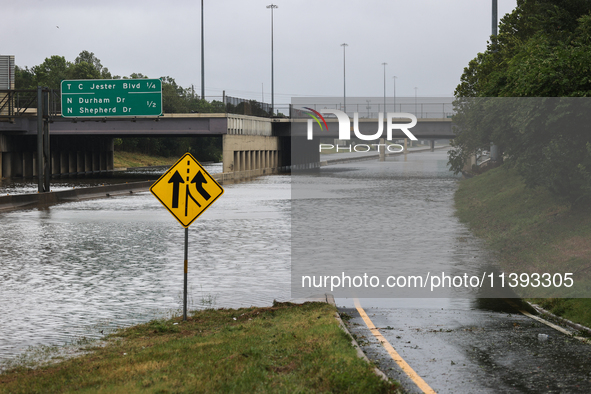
{"x":285,"y":348}
{"x":532,"y":233}
{"x":128,"y":160}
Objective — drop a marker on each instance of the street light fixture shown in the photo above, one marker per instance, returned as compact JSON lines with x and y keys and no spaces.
{"x":344,"y":45}
{"x":272,"y":6}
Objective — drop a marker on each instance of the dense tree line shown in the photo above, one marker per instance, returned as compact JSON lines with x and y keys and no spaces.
{"x":543,"y":50}
{"x":175,"y":99}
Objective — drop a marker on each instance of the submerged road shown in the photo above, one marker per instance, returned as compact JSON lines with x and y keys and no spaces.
{"x":369,"y":221}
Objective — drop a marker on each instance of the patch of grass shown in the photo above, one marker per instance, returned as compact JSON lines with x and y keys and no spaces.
{"x":283,"y":348}
{"x":128,"y":160}
{"x":532,"y":232}
{"x":574,"y":309}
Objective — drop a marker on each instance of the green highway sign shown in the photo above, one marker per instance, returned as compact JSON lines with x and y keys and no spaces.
{"x":98,"y":98}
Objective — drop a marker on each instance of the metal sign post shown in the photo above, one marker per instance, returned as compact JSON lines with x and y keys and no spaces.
{"x":186,"y":190}
{"x":186,"y":272}
{"x":43,"y":153}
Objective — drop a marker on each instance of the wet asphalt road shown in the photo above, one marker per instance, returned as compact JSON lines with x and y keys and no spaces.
{"x":471,"y":346}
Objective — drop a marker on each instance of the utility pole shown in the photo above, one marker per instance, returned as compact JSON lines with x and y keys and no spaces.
{"x":394,"y":78}
{"x":494,"y":149}
{"x":494,"y":18}
{"x":384,"y":64}
{"x":272,"y":6}
{"x":202,"y":58}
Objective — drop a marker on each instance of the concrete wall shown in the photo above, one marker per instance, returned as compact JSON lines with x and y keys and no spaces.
{"x":251,"y":153}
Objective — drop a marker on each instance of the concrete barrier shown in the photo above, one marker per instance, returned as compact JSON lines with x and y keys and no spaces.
{"x":26,"y":201}
{"x":21,"y":201}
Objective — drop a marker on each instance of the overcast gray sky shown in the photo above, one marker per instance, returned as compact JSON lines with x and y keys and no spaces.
{"x":426,"y":43}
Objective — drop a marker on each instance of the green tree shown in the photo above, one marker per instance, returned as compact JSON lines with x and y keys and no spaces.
{"x":83,"y":70}
{"x":52,"y":71}
{"x":543,"y":50}
{"x":24,"y":78}
{"x":95,"y":63}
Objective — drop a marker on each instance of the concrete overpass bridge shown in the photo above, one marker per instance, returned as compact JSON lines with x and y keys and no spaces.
{"x":250,"y":143}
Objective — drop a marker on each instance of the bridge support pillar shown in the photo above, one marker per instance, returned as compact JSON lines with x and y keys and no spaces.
{"x":17,"y":164}
{"x":432,"y":144}
{"x":87,"y":162}
{"x":103,"y":161}
{"x":35,"y":166}
{"x":72,"y":166}
{"x":6,"y":164}
{"x":28,"y":164}
{"x":248,"y":152}
{"x":55,"y":163}
{"x":96,"y":163}
{"x":64,"y":163}
{"x":110,"y":160}
{"x":382,"y":148}
{"x":80,"y":162}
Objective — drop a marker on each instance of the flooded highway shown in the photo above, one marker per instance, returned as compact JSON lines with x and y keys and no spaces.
{"x":368,"y":220}
{"x":73,"y":270}
{"x":77,"y":270}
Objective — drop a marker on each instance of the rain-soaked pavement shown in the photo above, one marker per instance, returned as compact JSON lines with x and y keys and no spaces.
{"x":471,"y":346}
{"x":397,"y":218}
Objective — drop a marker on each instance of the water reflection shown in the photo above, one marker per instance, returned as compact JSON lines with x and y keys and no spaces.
{"x":392,"y":219}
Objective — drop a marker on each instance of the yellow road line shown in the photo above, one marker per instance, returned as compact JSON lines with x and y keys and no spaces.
{"x":421,"y":384}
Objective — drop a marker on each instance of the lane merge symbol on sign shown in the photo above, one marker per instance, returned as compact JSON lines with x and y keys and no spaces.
{"x":186,"y":190}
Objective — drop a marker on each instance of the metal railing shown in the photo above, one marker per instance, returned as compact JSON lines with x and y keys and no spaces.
{"x":371,"y":110}
{"x":239,"y":106}
{"x":23,"y":102}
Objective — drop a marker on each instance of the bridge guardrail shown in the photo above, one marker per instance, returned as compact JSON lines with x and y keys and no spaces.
{"x":21,"y":102}
{"x":369,"y":110}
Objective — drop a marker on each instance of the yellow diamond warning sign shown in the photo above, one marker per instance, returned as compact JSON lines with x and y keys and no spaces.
{"x":186,"y":190}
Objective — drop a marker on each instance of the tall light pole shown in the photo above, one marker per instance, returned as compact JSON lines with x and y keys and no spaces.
{"x":344,"y":45}
{"x":416,"y":100}
{"x":202,"y":58}
{"x":494,"y":18}
{"x":394,"y":78}
{"x":384,"y":64}
{"x":272,"y":6}
{"x":494,"y":149}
